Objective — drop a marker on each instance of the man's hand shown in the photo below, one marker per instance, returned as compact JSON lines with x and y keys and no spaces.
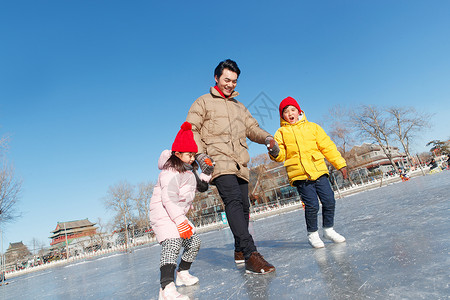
{"x":206,"y":163}
{"x":344,"y":172}
{"x":185,"y":230}
{"x":272,"y":146}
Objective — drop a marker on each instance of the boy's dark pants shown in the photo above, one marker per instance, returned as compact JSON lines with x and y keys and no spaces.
{"x":234,"y":193}
{"x":309,"y":190}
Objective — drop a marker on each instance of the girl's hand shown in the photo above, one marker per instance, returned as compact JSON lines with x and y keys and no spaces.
{"x":206,"y":163}
{"x":185,"y":230}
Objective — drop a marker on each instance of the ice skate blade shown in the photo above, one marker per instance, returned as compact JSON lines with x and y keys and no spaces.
{"x":256,"y":273}
{"x":335,"y":240}
{"x":317,"y":246}
{"x":180,"y":283}
{"x":185,"y":285}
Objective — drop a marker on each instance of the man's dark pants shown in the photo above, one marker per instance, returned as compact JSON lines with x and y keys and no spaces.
{"x":234,"y":193}
{"x":309,"y":190}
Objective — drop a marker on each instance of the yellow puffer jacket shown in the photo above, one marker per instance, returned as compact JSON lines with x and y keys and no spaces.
{"x":303,"y":147}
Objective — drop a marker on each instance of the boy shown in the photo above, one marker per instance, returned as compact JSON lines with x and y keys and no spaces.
{"x":303,"y":146}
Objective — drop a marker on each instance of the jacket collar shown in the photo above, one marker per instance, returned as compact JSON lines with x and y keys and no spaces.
{"x":216,"y":93}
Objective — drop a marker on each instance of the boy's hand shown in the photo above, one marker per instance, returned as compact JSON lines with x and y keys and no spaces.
{"x":185,"y":229}
{"x":344,"y":172}
{"x":272,"y":146}
{"x":206,"y":163}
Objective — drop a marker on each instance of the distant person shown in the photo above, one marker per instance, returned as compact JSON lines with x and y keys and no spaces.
{"x":303,"y":146}
{"x":221,"y":125}
{"x":403,"y":175}
{"x":433,"y":164}
{"x":172,"y":197}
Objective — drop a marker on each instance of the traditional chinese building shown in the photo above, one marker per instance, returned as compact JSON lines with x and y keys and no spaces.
{"x":71,"y":230}
{"x":15,"y":252}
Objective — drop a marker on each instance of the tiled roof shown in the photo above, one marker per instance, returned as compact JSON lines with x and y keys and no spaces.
{"x":73,"y":224}
{"x":16,"y":245}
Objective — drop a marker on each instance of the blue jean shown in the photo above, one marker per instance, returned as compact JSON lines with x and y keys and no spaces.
{"x":310,"y":192}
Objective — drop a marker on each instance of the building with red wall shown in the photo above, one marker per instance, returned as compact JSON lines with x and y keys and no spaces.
{"x":71,"y":230}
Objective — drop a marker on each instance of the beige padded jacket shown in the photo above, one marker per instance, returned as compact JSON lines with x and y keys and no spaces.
{"x":221,"y":126}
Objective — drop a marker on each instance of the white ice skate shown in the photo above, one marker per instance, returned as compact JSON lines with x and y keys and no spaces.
{"x":184,"y":278}
{"x":332,"y":235}
{"x":314,"y":240}
{"x":171,"y":293}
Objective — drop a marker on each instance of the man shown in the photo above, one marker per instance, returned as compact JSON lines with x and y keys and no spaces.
{"x":221,"y":125}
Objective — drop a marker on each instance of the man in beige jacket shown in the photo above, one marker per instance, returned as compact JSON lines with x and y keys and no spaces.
{"x":221,"y":125}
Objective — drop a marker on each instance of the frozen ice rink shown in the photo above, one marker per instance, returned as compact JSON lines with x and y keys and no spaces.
{"x":397,"y":248}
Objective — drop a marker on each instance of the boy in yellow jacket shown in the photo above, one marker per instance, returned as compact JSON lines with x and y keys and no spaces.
{"x":303,"y":146}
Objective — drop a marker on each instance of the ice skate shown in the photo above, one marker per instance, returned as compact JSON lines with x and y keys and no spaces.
{"x":314,"y":240}
{"x":239,"y":257}
{"x":256,"y":264}
{"x":184,"y":278}
{"x":171,"y":293}
{"x":331,"y":234}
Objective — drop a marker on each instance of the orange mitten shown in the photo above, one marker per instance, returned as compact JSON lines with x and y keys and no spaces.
{"x":185,"y":230}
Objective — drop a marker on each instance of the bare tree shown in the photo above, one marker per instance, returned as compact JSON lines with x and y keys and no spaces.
{"x":424,"y":157}
{"x":342,"y":133}
{"x":120,"y":200}
{"x":37,"y":247}
{"x":99,"y":237}
{"x":370,"y":122}
{"x":340,"y":130}
{"x":439,"y":147}
{"x":258,"y":167}
{"x":42,"y":250}
{"x":261,"y":159}
{"x":142,"y":202}
{"x":10,"y":188}
{"x":407,"y":122}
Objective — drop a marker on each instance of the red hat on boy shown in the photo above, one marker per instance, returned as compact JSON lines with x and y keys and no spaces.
{"x":289,"y":101}
{"x":184,"y":141}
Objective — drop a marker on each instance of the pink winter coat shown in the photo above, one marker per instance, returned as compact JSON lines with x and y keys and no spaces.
{"x":171,"y":200}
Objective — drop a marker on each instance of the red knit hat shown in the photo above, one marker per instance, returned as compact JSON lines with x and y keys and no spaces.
{"x":289,"y":101}
{"x":184,"y":141}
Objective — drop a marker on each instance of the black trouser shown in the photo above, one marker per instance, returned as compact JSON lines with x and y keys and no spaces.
{"x":234,"y":193}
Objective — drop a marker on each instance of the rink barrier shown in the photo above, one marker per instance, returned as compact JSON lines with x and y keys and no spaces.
{"x":264,"y":211}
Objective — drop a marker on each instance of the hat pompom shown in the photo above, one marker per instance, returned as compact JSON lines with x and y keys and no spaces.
{"x":186,"y":126}
{"x":184,"y":141}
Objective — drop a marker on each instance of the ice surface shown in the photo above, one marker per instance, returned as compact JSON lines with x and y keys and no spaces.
{"x":397,"y":248}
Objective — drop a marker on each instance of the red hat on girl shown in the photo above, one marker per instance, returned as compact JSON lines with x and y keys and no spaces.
{"x":289,"y":101}
{"x":184,"y":141}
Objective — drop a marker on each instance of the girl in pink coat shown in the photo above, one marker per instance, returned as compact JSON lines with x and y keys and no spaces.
{"x":172,"y":198}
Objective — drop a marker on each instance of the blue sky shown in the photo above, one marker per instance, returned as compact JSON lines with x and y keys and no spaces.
{"x":92,"y":91}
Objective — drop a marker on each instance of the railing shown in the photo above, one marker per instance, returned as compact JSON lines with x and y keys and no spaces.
{"x":117,"y":242}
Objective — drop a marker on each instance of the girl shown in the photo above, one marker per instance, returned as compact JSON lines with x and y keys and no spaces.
{"x":172,"y":197}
